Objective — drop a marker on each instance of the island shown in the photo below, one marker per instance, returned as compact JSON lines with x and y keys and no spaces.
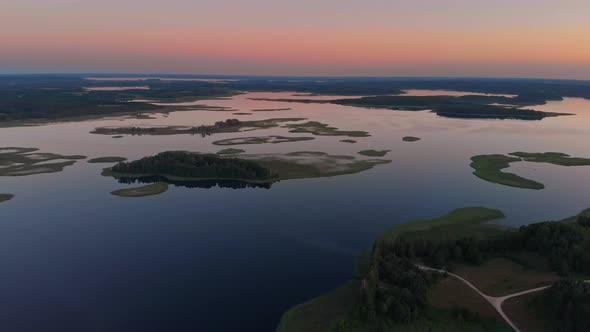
{"x":106,"y":160}
{"x":6,"y":197}
{"x":465,"y":107}
{"x":351,"y":141}
{"x":274,"y":139}
{"x":271,"y":109}
{"x":230,"y":151}
{"x":489,"y":167}
{"x":147,"y":190}
{"x":227,"y":126}
{"x":462,"y":271}
{"x":17,"y":161}
{"x":322,"y":129}
{"x":410,"y":139}
{"x":191,"y":168}
{"x":373,"y":153}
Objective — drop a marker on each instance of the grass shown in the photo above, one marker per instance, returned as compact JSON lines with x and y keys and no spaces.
{"x":489,"y":168}
{"x":410,"y":139}
{"x":6,"y":197}
{"x":373,"y":153}
{"x":502,"y":276}
{"x":147,"y":190}
{"x":106,"y":160}
{"x":555,"y":158}
{"x":464,"y":222}
{"x":230,"y":151}
{"x":451,"y":293}
{"x":522,"y":313}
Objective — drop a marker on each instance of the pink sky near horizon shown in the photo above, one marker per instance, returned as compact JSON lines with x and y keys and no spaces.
{"x":519,"y":38}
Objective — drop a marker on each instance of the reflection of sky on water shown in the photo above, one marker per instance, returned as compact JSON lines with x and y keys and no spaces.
{"x":70,"y":249}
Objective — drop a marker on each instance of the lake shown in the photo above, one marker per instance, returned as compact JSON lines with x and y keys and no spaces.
{"x":76,"y":258}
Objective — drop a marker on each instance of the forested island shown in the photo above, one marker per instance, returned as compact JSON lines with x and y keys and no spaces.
{"x":194,"y":166}
{"x":198,"y":170}
{"x":465,"y":107}
{"x":403,"y":283}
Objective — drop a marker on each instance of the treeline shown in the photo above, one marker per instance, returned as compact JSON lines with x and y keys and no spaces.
{"x":194,"y":165}
{"x":565,"y":245}
{"x":566,"y":304}
{"x":456,"y":107}
{"x":54,"y":96}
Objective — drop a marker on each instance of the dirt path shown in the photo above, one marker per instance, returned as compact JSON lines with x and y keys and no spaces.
{"x":496,"y":302}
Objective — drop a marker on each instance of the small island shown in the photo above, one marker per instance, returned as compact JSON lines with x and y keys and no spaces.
{"x":6,"y":197}
{"x":489,"y":167}
{"x":106,"y":160}
{"x":373,"y":153}
{"x":227,"y":126}
{"x":274,"y":139}
{"x":351,"y":141}
{"x":230,"y":151}
{"x":322,"y":129}
{"x":271,"y":109}
{"x":147,"y":190}
{"x":410,"y":139}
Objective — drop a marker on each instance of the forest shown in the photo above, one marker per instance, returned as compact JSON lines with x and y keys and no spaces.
{"x":395,"y":288}
{"x":567,"y":304}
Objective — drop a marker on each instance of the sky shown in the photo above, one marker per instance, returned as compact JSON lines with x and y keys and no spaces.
{"x":517,"y":38}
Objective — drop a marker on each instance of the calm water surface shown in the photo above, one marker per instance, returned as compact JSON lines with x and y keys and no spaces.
{"x":75,"y":258}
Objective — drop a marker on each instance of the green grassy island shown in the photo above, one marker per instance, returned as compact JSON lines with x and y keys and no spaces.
{"x":230,"y":151}
{"x":410,"y":139}
{"x":416,"y":278}
{"x":106,"y":160}
{"x":373,"y":153}
{"x":147,"y":190}
{"x":489,"y":167}
{"x":6,"y":197}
